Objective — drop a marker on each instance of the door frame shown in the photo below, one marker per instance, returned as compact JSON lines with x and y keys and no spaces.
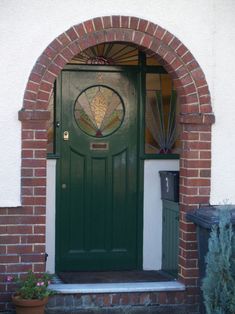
{"x":140,"y":161}
{"x":196,"y":116}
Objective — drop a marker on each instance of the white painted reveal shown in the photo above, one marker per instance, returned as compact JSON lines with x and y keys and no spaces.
{"x":152,"y":237}
{"x":50,"y":215}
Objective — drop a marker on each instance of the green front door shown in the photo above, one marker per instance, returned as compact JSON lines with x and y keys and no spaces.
{"x":97,"y":174}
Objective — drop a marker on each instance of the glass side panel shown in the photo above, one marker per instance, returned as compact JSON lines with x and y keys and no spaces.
{"x":108,"y":54}
{"x":151,"y":60}
{"x":50,"y":126}
{"x":99,"y":111}
{"x":161,"y":126}
{"x":153,"y":82}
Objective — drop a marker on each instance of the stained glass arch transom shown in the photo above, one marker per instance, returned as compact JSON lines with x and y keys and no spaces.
{"x":99,"y":111}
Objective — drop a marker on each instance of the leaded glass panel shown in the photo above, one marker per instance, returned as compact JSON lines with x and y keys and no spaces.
{"x":99,"y":111}
{"x":108,"y":54}
{"x":161,"y":127}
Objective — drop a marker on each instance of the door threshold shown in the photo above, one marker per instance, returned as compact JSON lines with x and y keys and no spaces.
{"x":63,"y":288}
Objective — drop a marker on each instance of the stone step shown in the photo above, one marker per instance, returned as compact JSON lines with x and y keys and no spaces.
{"x":168,"y":309}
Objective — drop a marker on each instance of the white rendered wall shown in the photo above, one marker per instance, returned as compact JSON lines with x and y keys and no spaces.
{"x":152,"y":237}
{"x":223,"y":136}
{"x":206,"y":27}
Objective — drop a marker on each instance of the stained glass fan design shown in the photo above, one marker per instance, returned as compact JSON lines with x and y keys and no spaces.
{"x":109,"y":54}
{"x":99,"y":111}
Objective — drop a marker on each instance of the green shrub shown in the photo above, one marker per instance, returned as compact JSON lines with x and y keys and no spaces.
{"x":219,"y":284}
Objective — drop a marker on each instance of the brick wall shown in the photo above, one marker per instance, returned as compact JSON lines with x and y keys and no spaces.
{"x":23,"y":229}
{"x":141,"y":302}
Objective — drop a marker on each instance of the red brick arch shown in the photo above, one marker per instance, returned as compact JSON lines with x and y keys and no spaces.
{"x":195,"y":115}
{"x":177,"y":59}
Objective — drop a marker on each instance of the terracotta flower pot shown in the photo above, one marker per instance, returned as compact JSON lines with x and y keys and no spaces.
{"x":24,"y":306}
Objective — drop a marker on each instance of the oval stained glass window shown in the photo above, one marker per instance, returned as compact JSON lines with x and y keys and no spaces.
{"x":99,"y":111}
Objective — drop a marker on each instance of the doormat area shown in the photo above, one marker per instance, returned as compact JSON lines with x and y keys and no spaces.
{"x":113,"y":277}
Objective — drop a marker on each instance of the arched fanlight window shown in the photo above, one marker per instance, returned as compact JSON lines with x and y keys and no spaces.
{"x":108,"y":54}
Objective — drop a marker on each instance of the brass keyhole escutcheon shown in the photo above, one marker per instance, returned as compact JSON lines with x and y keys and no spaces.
{"x":66,"y":135}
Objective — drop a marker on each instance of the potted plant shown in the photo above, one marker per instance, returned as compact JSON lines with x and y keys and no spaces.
{"x":32,"y":293}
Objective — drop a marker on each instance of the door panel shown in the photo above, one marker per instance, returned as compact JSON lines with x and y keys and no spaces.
{"x":97,"y":172}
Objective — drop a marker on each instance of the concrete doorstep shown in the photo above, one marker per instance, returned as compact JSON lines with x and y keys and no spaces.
{"x":168,"y":309}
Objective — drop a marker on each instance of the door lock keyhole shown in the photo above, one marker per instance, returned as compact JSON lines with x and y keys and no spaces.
{"x":66,"y":135}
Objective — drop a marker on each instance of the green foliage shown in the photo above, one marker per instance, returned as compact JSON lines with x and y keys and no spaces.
{"x":33,"y":286}
{"x":219,"y":285}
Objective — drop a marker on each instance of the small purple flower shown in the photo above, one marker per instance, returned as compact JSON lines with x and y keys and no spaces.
{"x":10,"y":278}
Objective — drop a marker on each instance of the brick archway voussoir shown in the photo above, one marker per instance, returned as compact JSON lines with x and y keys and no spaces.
{"x":80,"y":37}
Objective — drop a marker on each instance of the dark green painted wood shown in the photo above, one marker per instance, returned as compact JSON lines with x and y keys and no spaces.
{"x":97,"y":210}
{"x":160,"y":156}
{"x":127,"y":68}
{"x":140,"y":71}
{"x":170,"y":236}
